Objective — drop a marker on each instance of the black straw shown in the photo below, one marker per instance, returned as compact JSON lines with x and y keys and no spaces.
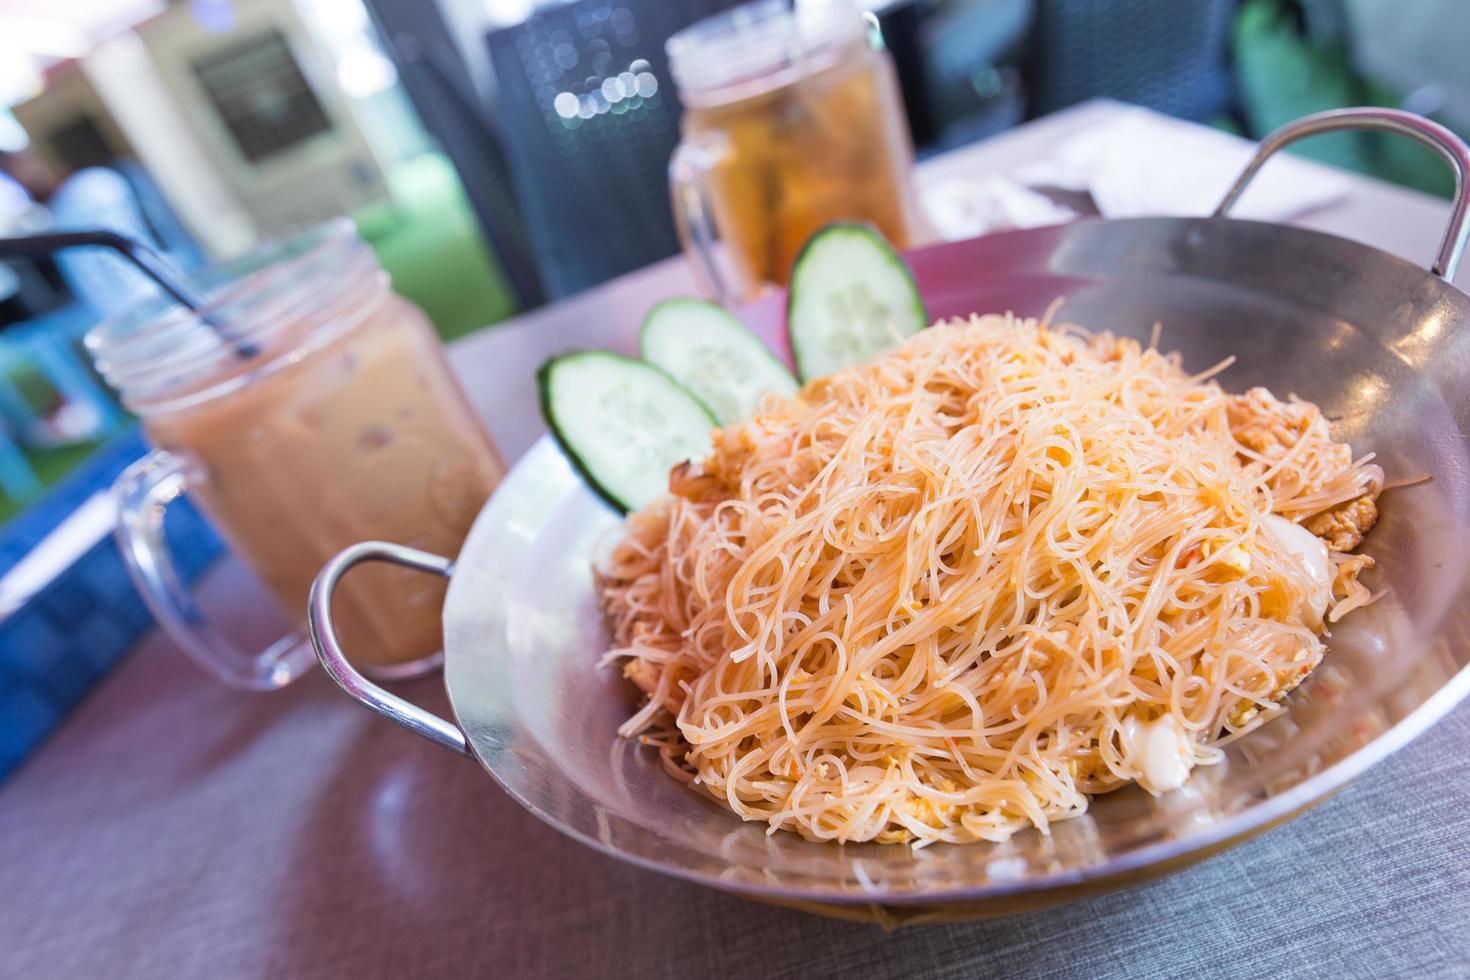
{"x":149,"y":262}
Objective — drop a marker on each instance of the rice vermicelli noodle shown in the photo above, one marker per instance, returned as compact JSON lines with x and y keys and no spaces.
{"x":953,"y":593}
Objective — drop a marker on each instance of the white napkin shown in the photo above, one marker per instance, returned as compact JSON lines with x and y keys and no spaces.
{"x":966,"y":208}
{"x":1143,"y":163}
{"x":1137,"y":163}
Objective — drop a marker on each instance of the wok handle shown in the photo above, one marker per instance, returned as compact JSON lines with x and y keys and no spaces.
{"x":1450,"y":147}
{"x":329,"y":649}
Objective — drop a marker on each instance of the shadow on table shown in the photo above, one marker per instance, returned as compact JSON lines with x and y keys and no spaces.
{"x":398,"y":858}
{"x":417,"y":854}
{"x":414,"y":861}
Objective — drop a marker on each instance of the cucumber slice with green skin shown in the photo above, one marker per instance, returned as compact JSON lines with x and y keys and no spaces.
{"x":714,"y":355}
{"x":623,"y":423}
{"x":851,"y":298}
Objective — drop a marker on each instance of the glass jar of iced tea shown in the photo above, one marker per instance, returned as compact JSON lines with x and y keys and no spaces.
{"x":306,"y":408}
{"x":792,"y":119}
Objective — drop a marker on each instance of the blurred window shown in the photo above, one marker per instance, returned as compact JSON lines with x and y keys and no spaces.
{"x":261,"y":95}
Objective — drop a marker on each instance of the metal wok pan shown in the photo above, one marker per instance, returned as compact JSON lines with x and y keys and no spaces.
{"x":1382,"y":346}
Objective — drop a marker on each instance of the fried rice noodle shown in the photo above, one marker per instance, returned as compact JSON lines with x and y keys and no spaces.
{"x":953,"y":593}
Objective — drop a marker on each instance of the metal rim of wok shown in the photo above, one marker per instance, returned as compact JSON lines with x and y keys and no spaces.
{"x":1383,"y":345}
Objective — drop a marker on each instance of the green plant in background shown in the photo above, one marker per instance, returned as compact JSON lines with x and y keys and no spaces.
{"x":1291,"y":59}
{"x":429,"y":243}
{"x":49,"y":463}
{"x":50,"y":466}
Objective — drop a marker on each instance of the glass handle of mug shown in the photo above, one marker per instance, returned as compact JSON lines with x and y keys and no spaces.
{"x":689,"y":171}
{"x":143,"y":493}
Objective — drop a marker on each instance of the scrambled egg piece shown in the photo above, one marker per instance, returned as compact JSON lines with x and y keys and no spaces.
{"x":1343,"y":526}
{"x":643,"y":673}
{"x":1235,"y":559}
{"x":1288,"y":678}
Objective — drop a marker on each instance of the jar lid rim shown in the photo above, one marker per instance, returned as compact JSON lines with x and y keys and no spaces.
{"x":157,"y":345}
{"x":756,"y":39}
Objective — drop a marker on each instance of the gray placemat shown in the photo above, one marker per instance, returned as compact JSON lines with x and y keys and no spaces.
{"x":174,"y":828}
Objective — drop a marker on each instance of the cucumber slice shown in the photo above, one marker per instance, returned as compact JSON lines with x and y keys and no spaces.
{"x":851,"y":298}
{"x":714,"y":355}
{"x":623,"y":423}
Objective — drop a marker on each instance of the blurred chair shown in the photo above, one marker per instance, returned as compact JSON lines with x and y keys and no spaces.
{"x":443,"y":94}
{"x":27,"y":286}
{"x":18,"y":481}
{"x":96,"y":197}
{"x":969,"y":50}
{"x":1172,"y":57}
{"x":590,"y":120}
{"x":50,"y":345}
